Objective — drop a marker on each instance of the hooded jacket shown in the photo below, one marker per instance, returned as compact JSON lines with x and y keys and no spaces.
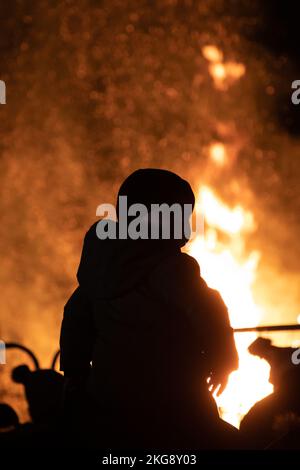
{"x":149,"y":324}
{"x":145,"y":318}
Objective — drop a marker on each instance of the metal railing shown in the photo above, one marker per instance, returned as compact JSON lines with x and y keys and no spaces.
{"x":267,"y":328}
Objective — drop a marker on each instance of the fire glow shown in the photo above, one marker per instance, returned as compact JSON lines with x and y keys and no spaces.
{"x":145,"y":86}
{"x":222,"y":73}
{"x":227,"y":268}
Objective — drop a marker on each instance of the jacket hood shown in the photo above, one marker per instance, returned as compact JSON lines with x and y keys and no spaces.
{"x":110,"y":268}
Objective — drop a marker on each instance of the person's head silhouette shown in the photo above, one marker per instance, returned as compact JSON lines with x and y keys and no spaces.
{"x":43,"y":390}
{"x":151,"y":186}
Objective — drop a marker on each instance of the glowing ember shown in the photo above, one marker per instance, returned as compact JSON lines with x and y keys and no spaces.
{"x":212,"y":53}
{"x":217,"y":153}
{"x":226,"y":268}
{"x":223,"y":73}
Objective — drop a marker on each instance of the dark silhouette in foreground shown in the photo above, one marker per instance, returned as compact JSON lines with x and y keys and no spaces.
{"x":9,"y":420}
{"x":153,"y":331}
{"x":274,"y":422}
{"x":43,"y":392}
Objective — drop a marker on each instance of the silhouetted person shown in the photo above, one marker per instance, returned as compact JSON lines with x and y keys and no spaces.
{"x":154,"y":332}
{"x":274,"y":422}
{"x":43,"y":392}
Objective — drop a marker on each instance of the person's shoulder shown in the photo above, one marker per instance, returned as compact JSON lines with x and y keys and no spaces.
{"x":181,"y":268}
{"x":183,"y":262}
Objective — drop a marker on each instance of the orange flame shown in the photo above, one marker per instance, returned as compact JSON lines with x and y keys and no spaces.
{"x":226,"y":267}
